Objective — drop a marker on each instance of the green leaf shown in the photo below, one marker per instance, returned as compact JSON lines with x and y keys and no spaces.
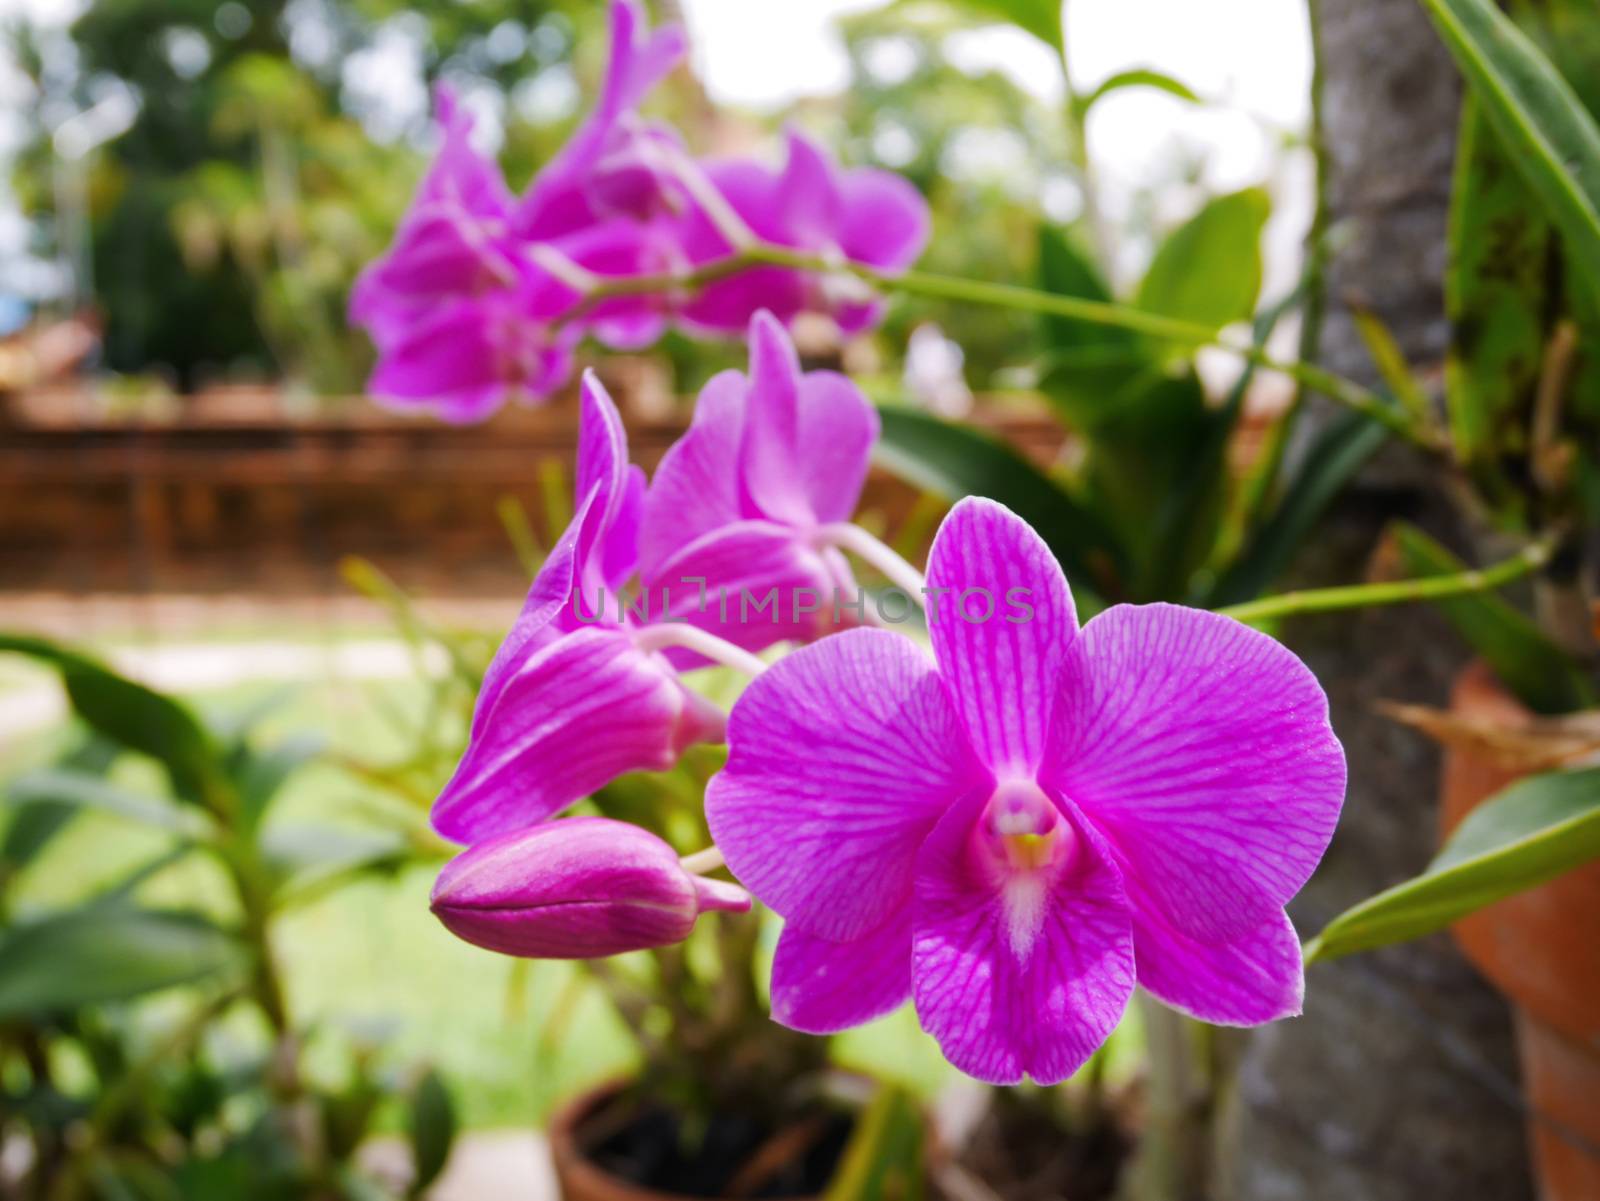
{"x":1391,"y":363}
{"x":954,"y":461}
{"x":1155,"y":468}
{"x":1086,"y":363}
{"x":885,"y":1157}
{"x":1496,"y":288}
{"x":1541,"y":122}
{"x":82,"y":790}
{"x":137,"y":717}
{"x":432,"y":1129}
{"x":107,"y":952}
{"x":1536,"y":670}
{"x":303,"y":855}
{"x":1139,"y":77}
{"x":1208,"y":270}
{"x":1333,"y":459}
{"x":260,"y":774}
{"x":1531,"y":832}
{"x":33,"y":825}
{"x":1042,"y":18}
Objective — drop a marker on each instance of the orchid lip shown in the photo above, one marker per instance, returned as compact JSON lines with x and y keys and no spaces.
{"x":1022,"y":831}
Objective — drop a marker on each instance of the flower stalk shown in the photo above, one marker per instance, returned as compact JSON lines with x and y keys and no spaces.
{"x":1398,"y":592}
{"x":701,"y":642}
{"x":850,"y":537}
{"x":1346,"y":392}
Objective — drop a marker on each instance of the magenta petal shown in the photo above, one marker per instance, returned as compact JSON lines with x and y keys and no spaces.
{"x":1002,"y":621}
{"x":1201,"y":748}
{"x":602,"y":463}
{"x":841,"y":758}
{"x":838,"y":429}
{"x":769,"y":454}
{"x":546,"y":615}
{"x":696,"y":485}
{"x":808,"y":193}
{"x":822,"y":987}
{"x":1258,"y":977}
{"x":752,"y":583}
{"x":620,"y":547}
{"x":1015,"y":985}
{"x":578,"y":713}
{"x":885,"y":219}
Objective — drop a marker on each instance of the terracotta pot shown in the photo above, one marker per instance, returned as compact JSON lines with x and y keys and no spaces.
{"x":579,"y":1177}
{"x":1542,"y":949}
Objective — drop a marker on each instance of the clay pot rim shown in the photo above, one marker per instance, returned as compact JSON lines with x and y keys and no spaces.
{"x":573,"y":1166}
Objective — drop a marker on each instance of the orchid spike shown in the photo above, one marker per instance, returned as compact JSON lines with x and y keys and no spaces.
{"x":578,"y":888}
{"x":741,"y":501}
{"x":1016,"y":829}
{"x":572,"y":700}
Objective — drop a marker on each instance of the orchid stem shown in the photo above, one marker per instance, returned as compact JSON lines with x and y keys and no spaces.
{"x":701,"y":642}
{"x":1346,"y":392}
{"x":701,"y":862}
{"x":1399,"y":592}
{"x":848,"y":536}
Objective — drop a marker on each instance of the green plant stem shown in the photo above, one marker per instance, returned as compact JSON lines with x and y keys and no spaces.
{"x":1012,"y":296}
{"x":1398,"y":592}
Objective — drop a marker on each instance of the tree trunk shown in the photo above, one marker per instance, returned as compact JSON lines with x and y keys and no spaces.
{"x":1400,"y":1081}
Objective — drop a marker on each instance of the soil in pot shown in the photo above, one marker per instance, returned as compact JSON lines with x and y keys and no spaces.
{"x":651,"y":1147}
{"x":1023,"y":1154}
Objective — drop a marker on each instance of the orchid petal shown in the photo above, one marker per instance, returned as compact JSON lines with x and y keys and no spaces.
{"x":822,"y":987}
{"x":1258,"y":977}
{"x":1011,"y":983}
{"x":752,"y":583}
{"x":1201,"y":748}
{"x":770,"y":451}
{"x":808,"y":193}
{"x":696,"y":488}
{"x":1002,"y":621}
{"x":578,"y":713}
{"x":842,"y":757}
{"x":884,"y":219}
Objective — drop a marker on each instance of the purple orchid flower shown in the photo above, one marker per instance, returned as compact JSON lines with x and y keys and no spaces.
{"x":611,"y":201}
{"x":743,"y":501}
{"x":480,"y":297}
{"x":1018,"y":828}
{"x":575,"y":697}
{"x":578,"y":888}
{"x":453,"y":243}
{"x":859,"y":215}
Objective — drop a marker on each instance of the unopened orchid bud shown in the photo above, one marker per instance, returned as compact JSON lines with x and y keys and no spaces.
{"x":578,"y":888}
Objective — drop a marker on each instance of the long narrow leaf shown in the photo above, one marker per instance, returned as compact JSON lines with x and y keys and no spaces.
{"x":135,"y":716}
{"x":1542,"y":124}
{"x":1536,"y":670}
{"x":954,"y":461}
{"x":1333,"y":460}
{"x":1533,"y":831}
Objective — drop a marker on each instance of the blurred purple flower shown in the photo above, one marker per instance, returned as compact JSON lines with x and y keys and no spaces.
{"x":857,"y":215}
{"x":1018,"y":828}
{"x":484,"y":296}
{"x":742,"y":500}
{"x":578,"y":888}
{"x":570,"y":701}
{"x":454,"y":242}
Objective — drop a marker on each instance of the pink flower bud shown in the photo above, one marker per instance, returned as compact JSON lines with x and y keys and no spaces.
{"x":578,"y":888}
